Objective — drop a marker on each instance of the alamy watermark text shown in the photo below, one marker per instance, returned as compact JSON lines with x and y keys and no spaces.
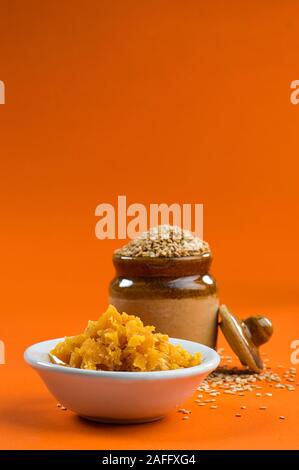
{"x":294,"y":96}
{"x":129,"y":221}
{"x":2,"y":92}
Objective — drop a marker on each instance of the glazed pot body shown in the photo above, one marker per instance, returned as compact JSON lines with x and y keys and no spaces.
{"x":176,"y":295}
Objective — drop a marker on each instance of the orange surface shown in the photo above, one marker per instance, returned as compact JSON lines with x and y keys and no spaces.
{"x":164,"y":102}
{"x":31,"y":420}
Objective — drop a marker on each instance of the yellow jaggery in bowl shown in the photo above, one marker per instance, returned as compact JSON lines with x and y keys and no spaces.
{"x":120,"y":342}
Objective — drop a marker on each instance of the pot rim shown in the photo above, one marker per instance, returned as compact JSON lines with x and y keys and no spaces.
{"x":162,"y":267}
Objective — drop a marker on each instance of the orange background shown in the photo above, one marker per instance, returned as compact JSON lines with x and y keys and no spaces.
{"x":165,"y":102}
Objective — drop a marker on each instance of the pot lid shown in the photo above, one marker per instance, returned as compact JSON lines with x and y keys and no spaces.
{"x":246,"y":336}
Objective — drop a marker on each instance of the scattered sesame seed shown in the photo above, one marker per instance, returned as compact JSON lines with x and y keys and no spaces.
{"x":241,"y":381}
{"x":63,"y":408}
{"x":281,"y":417}
{"x":281,"y":385}
{"x":184,"y":411}
{"x":59,"y":405}
{"x":185,"y":417}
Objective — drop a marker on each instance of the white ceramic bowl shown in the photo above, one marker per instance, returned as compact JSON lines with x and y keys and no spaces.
{"x":121,"y":397}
